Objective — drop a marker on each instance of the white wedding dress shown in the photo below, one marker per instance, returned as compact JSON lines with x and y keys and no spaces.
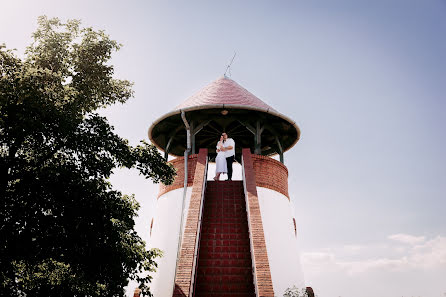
{"x":220,"y":161}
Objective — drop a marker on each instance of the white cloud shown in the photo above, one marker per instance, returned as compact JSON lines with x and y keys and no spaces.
{"x":428,"y":254}
{"x":354,"y":248}
{"x":384,"y":269}
{"x":406,"y":238}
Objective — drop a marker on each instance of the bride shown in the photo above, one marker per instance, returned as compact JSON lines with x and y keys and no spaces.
{"x":220,"y":160}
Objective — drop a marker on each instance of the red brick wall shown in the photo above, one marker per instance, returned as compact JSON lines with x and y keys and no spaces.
{"x":264,"y":284}
{"x":271,"y":174}
{"x":183,"y":280}
{"x":178,"y":163}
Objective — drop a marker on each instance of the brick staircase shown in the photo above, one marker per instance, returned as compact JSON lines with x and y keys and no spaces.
{"x":224,"y":263}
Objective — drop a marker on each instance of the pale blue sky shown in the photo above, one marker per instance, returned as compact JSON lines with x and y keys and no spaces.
{"x":364,"y":80}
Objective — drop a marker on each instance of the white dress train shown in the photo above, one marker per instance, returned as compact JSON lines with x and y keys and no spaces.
{"x":220,"y":161}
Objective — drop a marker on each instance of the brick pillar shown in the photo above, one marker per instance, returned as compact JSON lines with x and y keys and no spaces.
{"x":262,"y":273}
{"x":183,"y":279}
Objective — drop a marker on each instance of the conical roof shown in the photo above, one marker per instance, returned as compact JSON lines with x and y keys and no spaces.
{"x":224,"y":106}
{"x":224,"y":91}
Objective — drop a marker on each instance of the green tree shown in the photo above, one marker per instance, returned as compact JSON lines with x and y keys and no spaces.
{"x":295,"y":292}
{"x":64,"y":231}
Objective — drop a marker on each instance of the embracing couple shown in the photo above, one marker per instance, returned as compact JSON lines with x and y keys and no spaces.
{"x":225,"y":156}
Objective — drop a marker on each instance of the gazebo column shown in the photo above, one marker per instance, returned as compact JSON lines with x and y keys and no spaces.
{"x":280,"y":149}
{"x":258,"y":138}
{"x":167,"y":149}
{"x":192,"y":137}
{"x":169,"y":141}
{"x":257,"y":132}
{"x":194,"y":131}
{"x":276,"y":137}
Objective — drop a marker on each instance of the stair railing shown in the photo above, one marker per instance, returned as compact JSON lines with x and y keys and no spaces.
{"x":251,"y":245}
{"x":197,"y":242}
{"x":186,"y":171}
{"x":180,"y":231}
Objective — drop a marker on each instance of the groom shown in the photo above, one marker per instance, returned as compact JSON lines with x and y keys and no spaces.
{"x":229,"y":149}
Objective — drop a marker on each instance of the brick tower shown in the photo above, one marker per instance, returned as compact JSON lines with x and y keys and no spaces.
{"x":225,"y":238}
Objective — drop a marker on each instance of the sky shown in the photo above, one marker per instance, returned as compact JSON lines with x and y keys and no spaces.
{"x":364,"y":80}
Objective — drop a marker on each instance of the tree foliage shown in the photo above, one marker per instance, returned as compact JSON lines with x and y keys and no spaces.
{"x":63,"y":229}
{"x":295,"y":292}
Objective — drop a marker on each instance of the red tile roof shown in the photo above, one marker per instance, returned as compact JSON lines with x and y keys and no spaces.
{"x":224,"y":91}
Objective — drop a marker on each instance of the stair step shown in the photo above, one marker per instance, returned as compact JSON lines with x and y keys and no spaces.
{"x":228,"y":249}
{"x":213,"y":255}
{"x":229,"y":242}
{"x":224,"y":262}
{"x":222,"y":236}
{"x":224,"y":287}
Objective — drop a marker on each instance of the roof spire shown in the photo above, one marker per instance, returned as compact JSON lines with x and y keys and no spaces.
{"x":228,"y":68}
